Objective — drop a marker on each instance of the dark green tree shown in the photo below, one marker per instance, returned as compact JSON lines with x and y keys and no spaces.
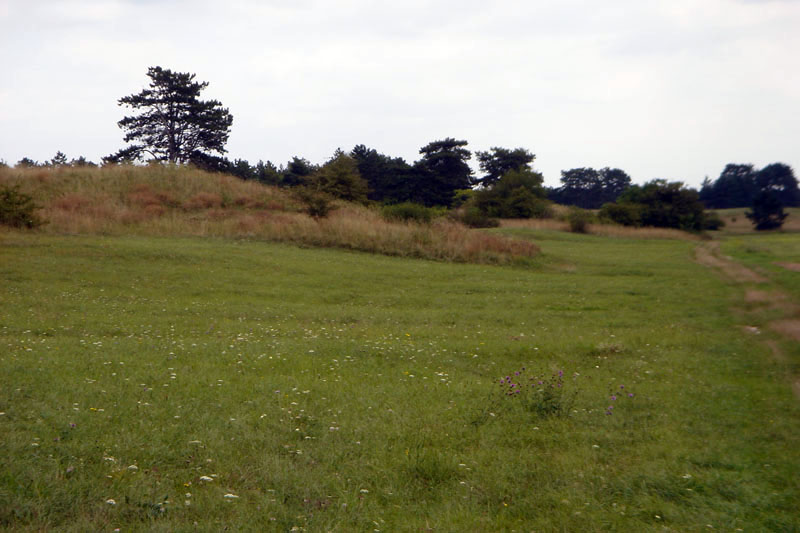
{"x":767,"y":211}
{"x":779,"y":179}
{"x":735,"y":187}
{"x":441,"y":171}
{"x":296,"y":171}
{"x":339,"y":178}
{"x":518,"y":194}
{"x":81,"y":162}
{"x":589,"y":188}
{"x":26,"y":162}
{"x":497,"y":161}
{"x":391,"y":180}
{"x":171,"y":122}
{"x":267,"y":173}
{"x":59,"y":160}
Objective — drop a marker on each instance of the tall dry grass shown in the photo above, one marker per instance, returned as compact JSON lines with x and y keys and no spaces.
{"x":180,"y":201}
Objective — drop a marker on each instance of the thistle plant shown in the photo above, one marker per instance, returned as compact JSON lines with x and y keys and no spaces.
{"x":615,"y":395}
{"x":541,"y":394}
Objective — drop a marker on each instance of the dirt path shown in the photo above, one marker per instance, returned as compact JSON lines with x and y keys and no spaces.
{"x":708,"y":254}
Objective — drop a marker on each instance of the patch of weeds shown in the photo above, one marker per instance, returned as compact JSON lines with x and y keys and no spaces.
{"x":539,"y":394}
{"x":615,"y":395}
{"x":607,"y":348}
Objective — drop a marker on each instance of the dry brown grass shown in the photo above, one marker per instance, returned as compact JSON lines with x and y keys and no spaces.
{"x":737,"y":223}
{"x":605,"y":230}
{"x":164,"y":201}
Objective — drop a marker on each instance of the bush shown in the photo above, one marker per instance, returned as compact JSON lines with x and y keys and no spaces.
{"x":317,"y":204}
{"x":518,"y":194}
{"x":663,"y":204}
{"x":712,"y":221}
{"x":767,"y":211}
{"x":475,"y":218}
{"x":17,"y":209}
{"x":578,"y":219}
{"x":409,"y":211}
{"x":340,"y":178}
{"x":625,"y":214}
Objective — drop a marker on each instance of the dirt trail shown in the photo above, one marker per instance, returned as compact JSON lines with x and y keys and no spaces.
{"x":708,"y":254}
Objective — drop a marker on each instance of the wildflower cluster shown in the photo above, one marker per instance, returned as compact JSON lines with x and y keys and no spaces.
{"x":542,"y":395}
{"x":615,"y":395}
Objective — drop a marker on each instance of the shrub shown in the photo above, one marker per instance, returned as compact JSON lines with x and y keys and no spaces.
{"x":317,"y":204}
{"x":518,"y":194}
{"x":712,"y":221}
{"x":17,"y":209}
{"x":665,"y":204}
{"x":578,"y":219}
{"x":409,"y":211}
{"x":625,"y":214}
{"x":475,"y":218}
{"x":340,"y":178}
{"x":767,"y":211}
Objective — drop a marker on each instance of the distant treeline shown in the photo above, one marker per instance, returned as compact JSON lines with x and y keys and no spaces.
{"x":739,"y":185}
{"x":442,"y":177}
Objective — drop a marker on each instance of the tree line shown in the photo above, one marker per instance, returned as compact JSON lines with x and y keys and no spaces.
{"x":170,"y":123}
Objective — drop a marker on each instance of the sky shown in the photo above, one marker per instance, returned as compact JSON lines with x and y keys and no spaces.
{"x":672,"y":89}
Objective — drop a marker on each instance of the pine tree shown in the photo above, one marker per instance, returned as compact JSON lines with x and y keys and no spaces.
{"x":172,"y":124}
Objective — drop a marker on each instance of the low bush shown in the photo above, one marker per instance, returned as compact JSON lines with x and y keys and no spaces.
{"x":712,"y":221}
{"x":409,"y":211}
{"x":17,"y":209}
{"x":317,"y":204}
{"x":578,"y":220}
{"x":625,"y":214}
{"x":473,"y":217}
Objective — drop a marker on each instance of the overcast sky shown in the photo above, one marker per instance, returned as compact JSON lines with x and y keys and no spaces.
{"x":669,"y":89}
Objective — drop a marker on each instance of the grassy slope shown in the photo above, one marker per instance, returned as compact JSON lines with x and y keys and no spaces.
{"x":257,"y":351}
{"x":169,"y":201}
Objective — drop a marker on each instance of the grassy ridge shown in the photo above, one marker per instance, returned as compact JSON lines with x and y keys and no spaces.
{"x":330,"y":390}
{"x":181,"y":201}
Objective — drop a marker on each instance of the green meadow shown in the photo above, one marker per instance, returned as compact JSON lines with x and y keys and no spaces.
{"x":206,"y":384}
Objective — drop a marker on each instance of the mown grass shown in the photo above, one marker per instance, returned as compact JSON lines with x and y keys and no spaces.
{"x":340,"y":391}
{"x":776,"y":254}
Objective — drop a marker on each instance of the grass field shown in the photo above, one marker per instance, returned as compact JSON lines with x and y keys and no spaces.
{"x":182,"y":384}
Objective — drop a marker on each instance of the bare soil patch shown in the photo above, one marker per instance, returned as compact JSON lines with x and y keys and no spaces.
{"x":708,"y":254}
{"x":795,"y":267}
{"x":788,"y":328}
{"x":753,"y":296}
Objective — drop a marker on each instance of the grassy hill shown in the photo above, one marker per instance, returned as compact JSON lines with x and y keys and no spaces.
{"x":180,"y":201}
